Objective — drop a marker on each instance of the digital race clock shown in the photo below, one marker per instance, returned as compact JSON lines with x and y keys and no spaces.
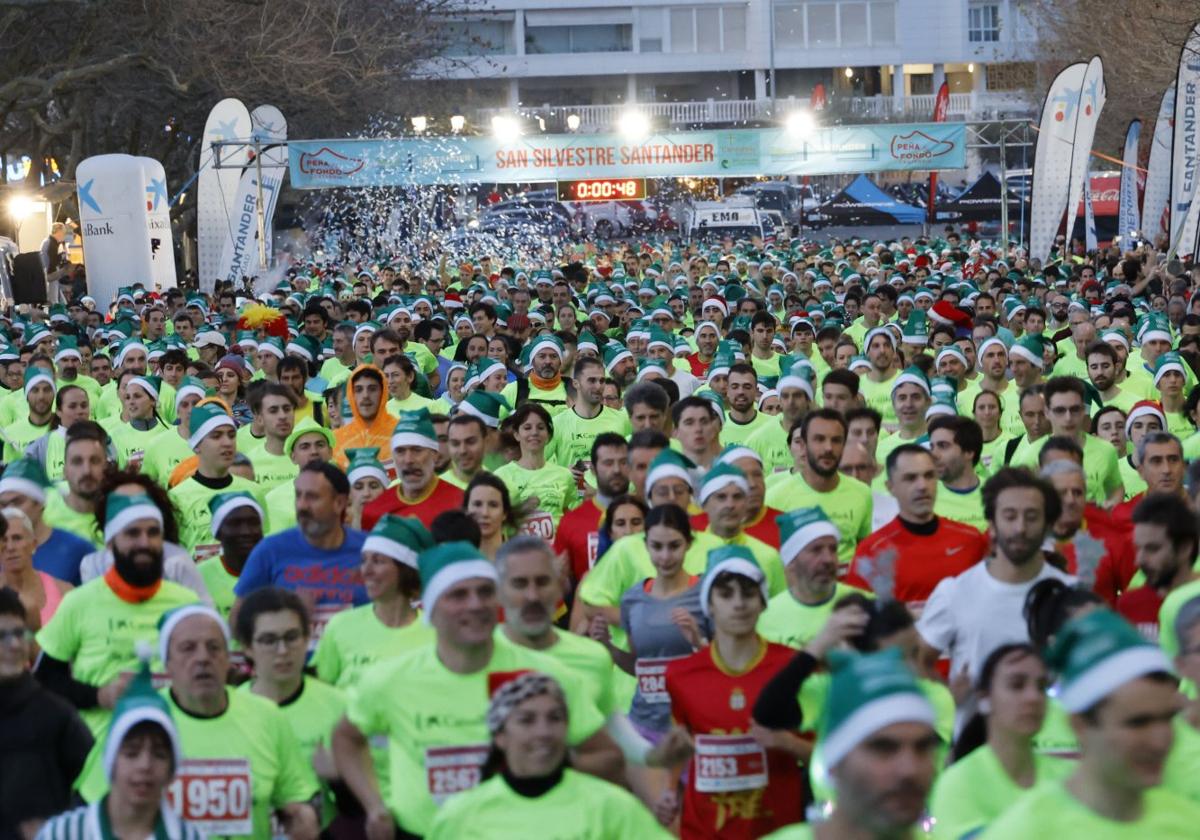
{"x":602,"y":189}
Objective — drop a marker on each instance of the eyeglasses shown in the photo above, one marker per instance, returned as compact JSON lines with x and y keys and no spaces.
{"x":270,"y":640}
{"x":1060,"y":410}
{"x":14,"y":635}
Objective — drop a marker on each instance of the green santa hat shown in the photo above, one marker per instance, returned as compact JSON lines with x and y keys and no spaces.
{"x":139,"y":704}
{"x":1096,"y":654}
{"x":35,"y":376}
{"x":943,"y":386}
{"x":669,"y":464}
{"x":798,"y":374}
{"x":414,"y":428}
{"x":942,"y":404}
{"x":1030,"y":348}
{"x":736,"y":452}
{"x":152,"y":385}
{"x":68,"y":345}
{"x":646,"y":367}
{"x":27,"y":477}
{"x":587,"y":341}
{"x":172,"y":619}
{"x":1154,"y":327}
{"x":205,"y":420}
{"x":304,"y":346}
{"x":189,"y":386}
{"x":951,"y":351}
{"x":364,"y":463}
{"x":916,"y":329}
{"x":124,"y":349}
{"x":401,"y":538}
{"x":736,"y":559}
{"x":799,"y":527}
{"x":489,"y":407}
{"x":722,"y":475}
{"x":614,"y":353}
{"x":447,"y":565}
{"x":121,"y":511}
{"x":877,"y":331}
{"x":546,"y":341}
{"x":1166,"y":363}
{"x":912,"y":375}
{"x":223,"y":504}
{"x":305,"y":427}
{"x":866,"y":694}
{"x":482,"y":369}
{"x":720,"y":364}
{"x":272,"y":345}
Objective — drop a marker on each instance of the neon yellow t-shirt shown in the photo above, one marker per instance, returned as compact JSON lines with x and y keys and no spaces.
{"x":733,"y":432}
{"x":59,"y":514}
{"x":589,"y":660}
{"x":435,"y":722}
{"x":271,"y":470}
{"x":581,"y":805}
{"x":975,"y":790}
{"x":574,"y":435}
{"x":1050,"y":810}
{"x":1099,"y":465}
{"x":18,"y":435}
{"x":129,"y":441}
{"x":191,"y":499}
{"x":169,"y":451}
{"x":1169,"y":611}
{"x":878,"y":395}
{"x":786,"y":621}
{"x":553,"y":485}
{"x":356,"y":639}
{"x":219,"y":584}
{"x":964,"y":507}
{"x":770,"y":442}
{"x":848,"y":506}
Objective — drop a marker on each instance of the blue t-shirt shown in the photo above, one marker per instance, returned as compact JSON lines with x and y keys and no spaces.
{"x":288,"y":560}
{"x":61,"y":556}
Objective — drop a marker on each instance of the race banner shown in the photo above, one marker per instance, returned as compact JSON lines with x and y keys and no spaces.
{"x":940,"y":105}
{"x":323,"y":164}
{"x":1128,"y":217}
{"x":1089,"y":218}
{"x":228,"y":120}
{"x":240,"y":255}
{"x":113,"y":223}
{"x":1183,"y":145}
{"x":1091,"y":102}
{"x":1052,"y":159}
{"x":1158,"y":172}
{"x":158,"y":220}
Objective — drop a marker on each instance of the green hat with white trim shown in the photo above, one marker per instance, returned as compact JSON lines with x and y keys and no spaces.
{"x":414,"y":428}
{"x":1096,"y":654}
{"x":1030,"y":348}
{"x":720,"y":364}
{"x":646,"y":367}
{"x":546,"y":341}
{"x":669,"y":464}
{"x":731,"y":558}
{"x":942,"y":404}
{"x":190,"y":386}
{"x":447,"y":565}
{"x":401,"y":538}
{"x":488,"y":406}
{"x":223,"y":504}
{"x":152,"y":385}
{"x":722,"y":475}
{"x":799,"y":527}
{"x":866,"y":694}
{"x":139,"y":704}
{"x":171,"y":619}
{"x":205,"y":420}
{"x":305,"y":427}
{"x":364,"y":463}
{"x":614,"y":353}
{"x":916,"y":328}
{"x":304,"y":346}
{"x":121,"y":511}
{"x":68,"y":345}
{"x":1166,"y":363}
{"x":37,"y":375}
{"x":736,"y":452}
{"x":273,"y":345}
{"x":912,"y":375}
{"x":125,"y":347}
{"x":26,"y":476}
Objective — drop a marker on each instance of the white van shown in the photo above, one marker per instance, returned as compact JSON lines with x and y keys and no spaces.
{"x":720,"y":219}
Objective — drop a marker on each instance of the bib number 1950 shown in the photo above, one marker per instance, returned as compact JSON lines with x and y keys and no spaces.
{"x":214,"y":795}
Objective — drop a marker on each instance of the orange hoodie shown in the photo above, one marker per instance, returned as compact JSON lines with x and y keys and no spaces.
{"x":358,"y":432}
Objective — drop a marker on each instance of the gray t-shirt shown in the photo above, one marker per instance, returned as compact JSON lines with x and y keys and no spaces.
{"x":655,"y":639}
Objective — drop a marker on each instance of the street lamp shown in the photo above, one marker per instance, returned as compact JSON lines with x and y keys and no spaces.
{"x":800,"y":124}
{"x":849,"y":72}
{"x":506,"y":129}
{"x":419,"y":124}
{"x":457,"y":123}
{"x":20,"y":207}
{"x":572,"y":122}
{"x":634,"y":125}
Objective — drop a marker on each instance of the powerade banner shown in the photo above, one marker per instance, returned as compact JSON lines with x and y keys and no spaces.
{"x":324,"y":164}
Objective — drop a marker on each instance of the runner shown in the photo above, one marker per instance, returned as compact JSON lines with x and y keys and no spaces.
{"x":237,"y":524}
{"x":420,"y":492}
{"x":549,"y":488}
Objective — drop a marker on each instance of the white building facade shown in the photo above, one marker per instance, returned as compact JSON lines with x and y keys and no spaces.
{"x":715,"y":62}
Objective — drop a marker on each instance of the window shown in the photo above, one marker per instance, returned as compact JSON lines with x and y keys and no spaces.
{"x":650,"y":30}
{"x":584,"y":38}
{"x":683,"y":33}
{"x":734,"y":28}
{"x":983,"y":23}
{"x":822,"y":25}
{"x":789,"y":25}
{"x":883,"y":23}
{"x":708,"y":29}
{"x":854,"y":24}
{"x":479,"y":37}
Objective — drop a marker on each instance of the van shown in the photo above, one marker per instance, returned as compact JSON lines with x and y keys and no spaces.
{"x":706,"y":220}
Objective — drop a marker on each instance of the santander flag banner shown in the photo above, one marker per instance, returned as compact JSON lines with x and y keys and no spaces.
{"x":114,"y":223}
{"x":1158,"y":171}
{"x":1128,"y":217}
{"x":1184,"y":145}
{"x":240,"y":255}
{"x":229,"y":120}
{"x":940,"y":105}
{"x":1091,"y":101}
{"x":158,"y":220}
{"x":1052,"y":160}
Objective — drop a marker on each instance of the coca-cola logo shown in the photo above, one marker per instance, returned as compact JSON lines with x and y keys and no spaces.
{"x":327,"y":162}
{"x":1112,"y":194}
{"x":917,"y":145}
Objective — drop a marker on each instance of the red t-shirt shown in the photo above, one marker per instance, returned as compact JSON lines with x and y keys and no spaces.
{"x":1140,"y":608}
{"x":578,"y":535}
{"x":699,"y":368}
{"x":714,"y":705}
{"x":443,"y":496}
{"x":922,"y":560}
{"x":1118,"y":565}
{"x":765,"y":528}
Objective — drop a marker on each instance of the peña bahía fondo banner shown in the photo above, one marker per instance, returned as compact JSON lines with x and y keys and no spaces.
{"x":325,"y":164}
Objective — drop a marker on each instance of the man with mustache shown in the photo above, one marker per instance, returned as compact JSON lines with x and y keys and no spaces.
{"x":89,"y":648}
{"x":914,"y":552}
{"x":972,"y":614}
{"x":421,"y":492}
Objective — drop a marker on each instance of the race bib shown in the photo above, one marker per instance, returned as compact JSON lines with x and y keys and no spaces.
{"x":451,"y":770}
{"x":593,"y":548}
{"x":320,"y":619}
{"x":652,"y":679}
{"x":214,"y":795}
{"x":727,"y":763}
{"x":206,"y":550}
{"x":539,"y":524}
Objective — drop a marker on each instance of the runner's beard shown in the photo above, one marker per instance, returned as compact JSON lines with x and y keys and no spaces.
{"x":139,"y":567}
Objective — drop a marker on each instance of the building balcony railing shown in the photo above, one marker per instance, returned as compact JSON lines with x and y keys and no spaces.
{"x":840,"y":109}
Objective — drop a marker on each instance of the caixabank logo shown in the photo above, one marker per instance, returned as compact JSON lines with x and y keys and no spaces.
{"x":330,"y":164}
{"x":918,"y":146}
